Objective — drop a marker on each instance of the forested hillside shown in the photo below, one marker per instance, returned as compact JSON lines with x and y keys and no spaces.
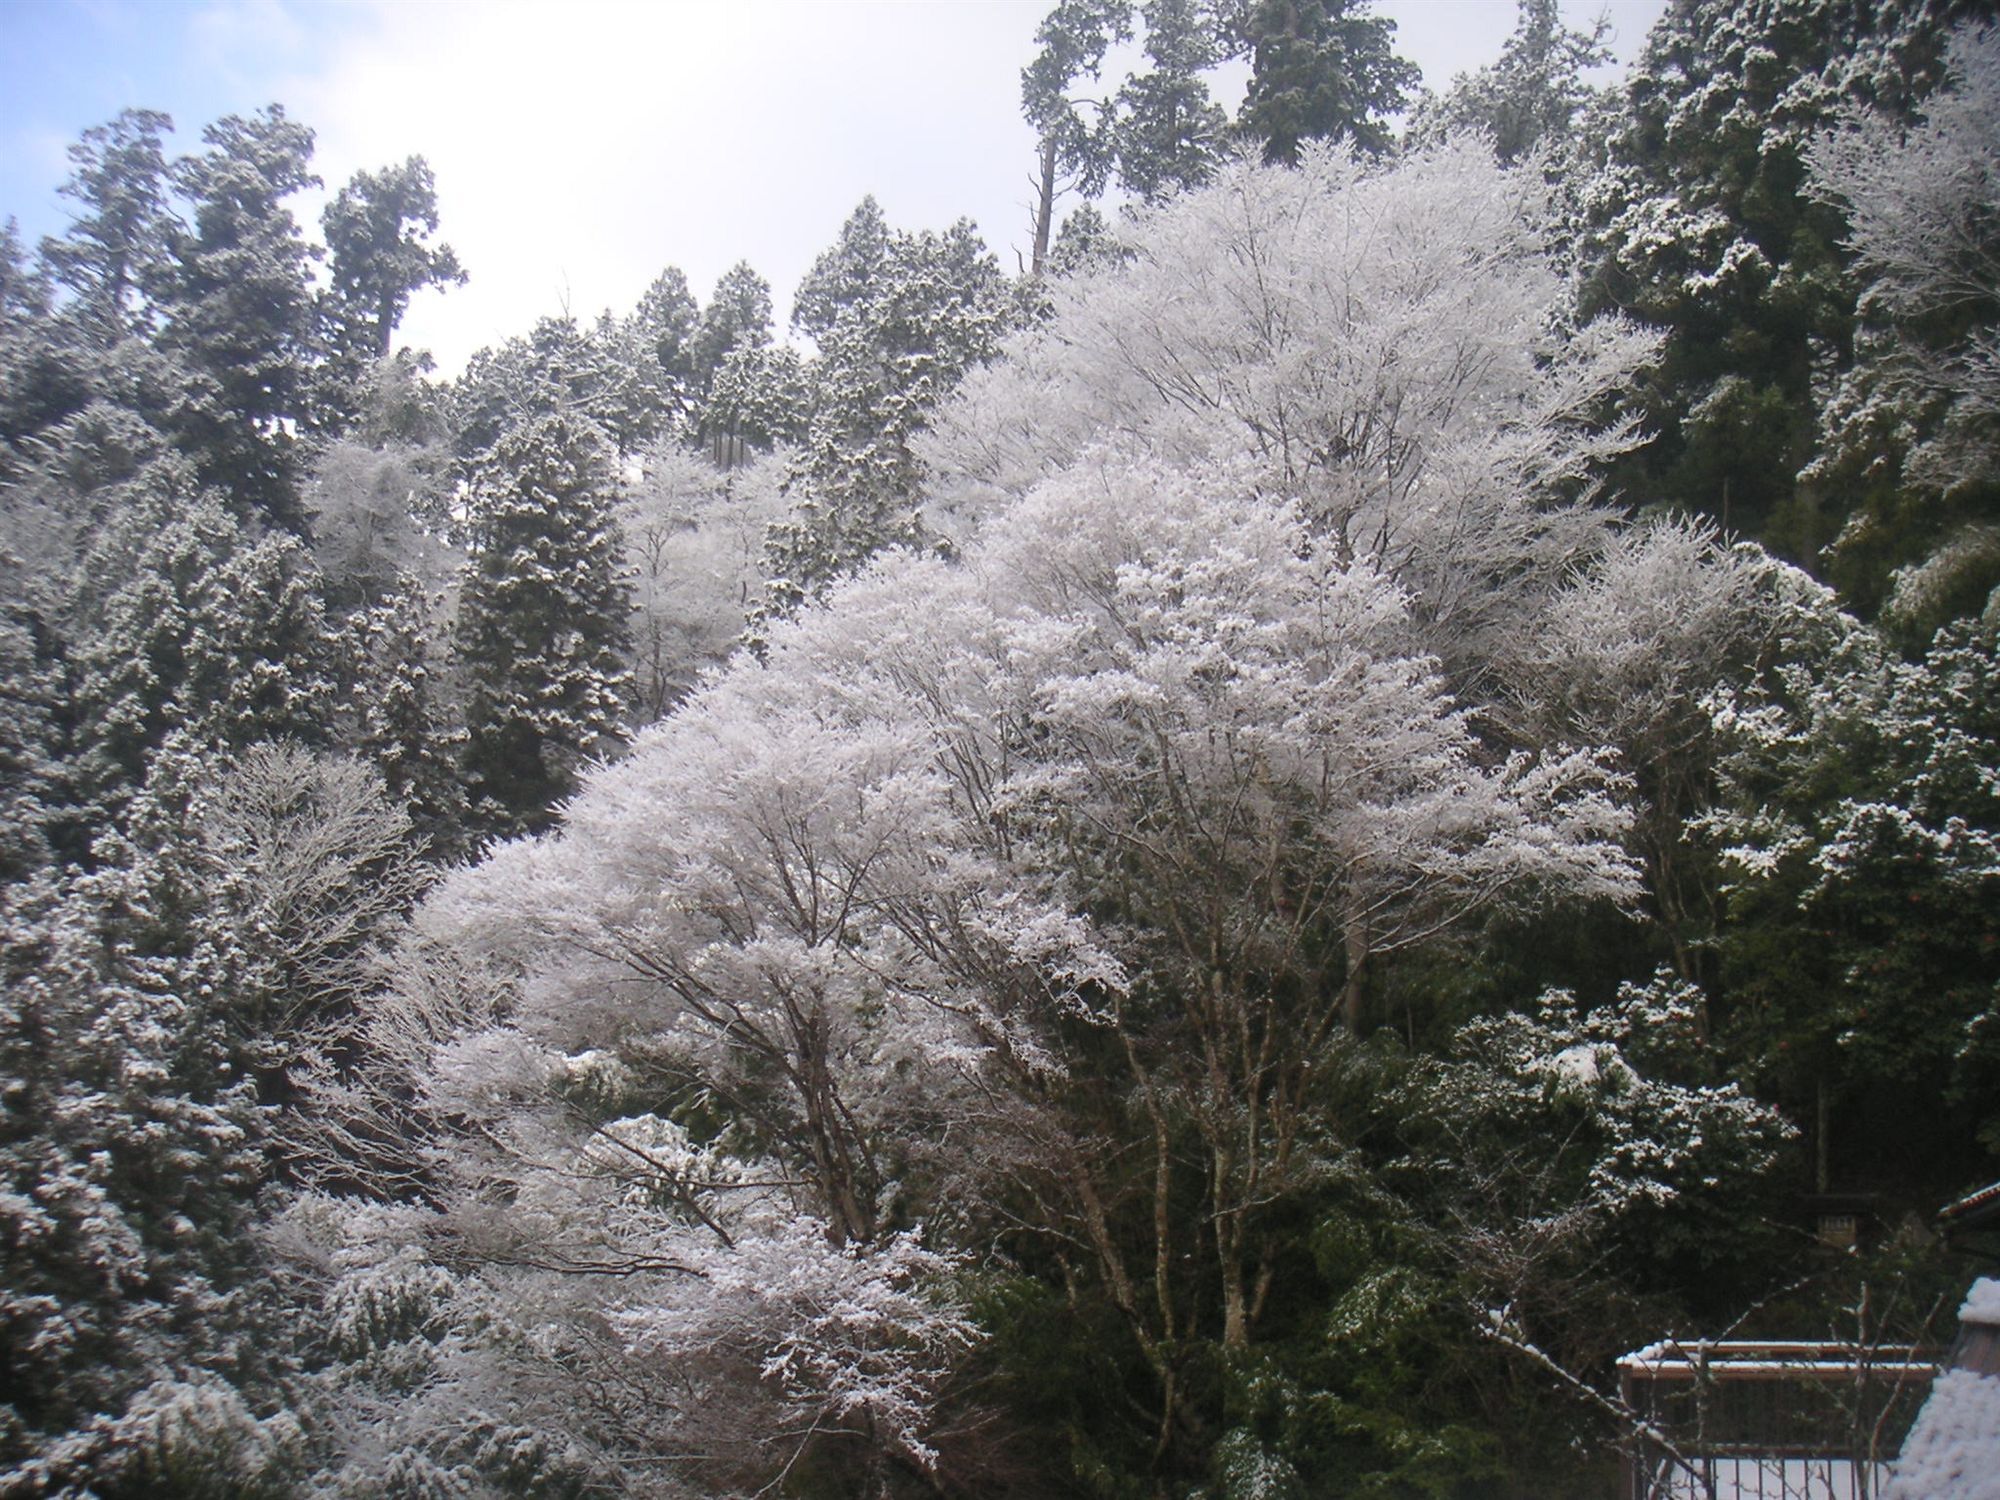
{"x":1217,"y":869}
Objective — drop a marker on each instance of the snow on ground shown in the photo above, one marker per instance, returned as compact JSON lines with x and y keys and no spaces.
{"x":1772,"y":1479}
{"x":1953,"y":1451}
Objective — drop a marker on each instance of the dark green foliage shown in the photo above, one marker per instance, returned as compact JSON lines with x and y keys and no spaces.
{"x":115,"y":255}
{"x":846,"y":272}
{"x":378,"y":230}
{"x":1320,"y":70}
{"x":1085,"y":239}
{"x":1703,"y":229}
{"x":1864,"y":944}
{"x":377,"y":256}
{"x":1909,"y":432}
{"x":48,"y":369}
{"x":202,"y":629}
{"x":738,"y":315}
{"x":668,"y":317}
{"x":1169,"y":133}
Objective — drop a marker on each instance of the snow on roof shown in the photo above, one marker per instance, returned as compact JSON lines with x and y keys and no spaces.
{"x":1982,"y":1305}
{"x":1724,"y":1358}
{"x":1953,"y":1451}
{"x":1971,"y":1203}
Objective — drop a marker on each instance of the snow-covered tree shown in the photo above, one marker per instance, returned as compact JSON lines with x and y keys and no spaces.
{"x":31,"y":774}
{"x":1628,"y":1099}
{"x":236,"y":308}
{"x":544,"y":622}
{"x":1923,"y":394}
{"x":694,"y":542}
{"x":368,"y":506}
{"x":115,"y":249}
{"x":759,"y":399}
{"x":558,"y":368}
{"x":1859,"y":836}
{"x":1233,"y":753}
{"x":1630,"y":654}
{"x":402,"y":711}
{"x":1378,"y":339}
{"x":665,"y":321}
{"x":307,"y":860}
{"x":126,"y":1175}
{"x":1700,"y":227}
{"x":738,"y":315}
{"x":192,"y":626}
{"x":825,"y":928}
{"x":1533,"y":96}
{"x":720,"y":1007}
{"x":894,"y":342}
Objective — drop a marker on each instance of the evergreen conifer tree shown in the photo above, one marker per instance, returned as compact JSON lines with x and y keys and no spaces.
{"x":1703,"y":228}
{"x":205,"y":631}
{"x":238,"y":312}
{"x":544,"y":622}
{"x":895,"y":343}
{"x":400,"y":721}
{"x":1321,"y":70}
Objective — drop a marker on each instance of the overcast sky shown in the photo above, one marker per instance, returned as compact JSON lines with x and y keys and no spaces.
{"x":581,"y":148}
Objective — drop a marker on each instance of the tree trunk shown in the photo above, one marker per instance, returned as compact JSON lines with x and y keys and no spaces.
{"x":1235,"y":1301}
{"x":1045,"y":206}
{"x":1354,"y":994}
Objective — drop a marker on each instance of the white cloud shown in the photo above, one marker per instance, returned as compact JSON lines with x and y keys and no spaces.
{"x":579,"y":150}
{"x":578,"y":153}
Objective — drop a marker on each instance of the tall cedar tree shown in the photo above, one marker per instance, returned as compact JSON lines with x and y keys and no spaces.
{"x":545,"y":622}
{"x":899,"y":319}
{"x":238,"y":311}
{"x":1169,"y":132}
{"x":1321,"y":70}
{"x":376,"y":229}
{"x":116,"y":248}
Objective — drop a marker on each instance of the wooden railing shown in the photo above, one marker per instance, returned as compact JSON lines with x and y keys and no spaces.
{"x":1748,"y":1420}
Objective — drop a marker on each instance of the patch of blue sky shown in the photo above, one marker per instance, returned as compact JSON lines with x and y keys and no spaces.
{"x":66,"y":65}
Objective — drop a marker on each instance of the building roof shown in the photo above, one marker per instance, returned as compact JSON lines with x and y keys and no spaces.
{"x":1975,"y":1210}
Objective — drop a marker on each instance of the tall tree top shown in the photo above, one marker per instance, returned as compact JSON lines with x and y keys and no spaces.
{"x":377,"y":230}
{"x":117,"y":243}
{"x":843,"y":273}
{"x":1533,"y":93}
{"x":738,"y":312}
{"x":1321,"y":69}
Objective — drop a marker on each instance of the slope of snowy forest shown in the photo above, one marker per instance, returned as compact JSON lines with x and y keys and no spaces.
{"x":1220,"y":869}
